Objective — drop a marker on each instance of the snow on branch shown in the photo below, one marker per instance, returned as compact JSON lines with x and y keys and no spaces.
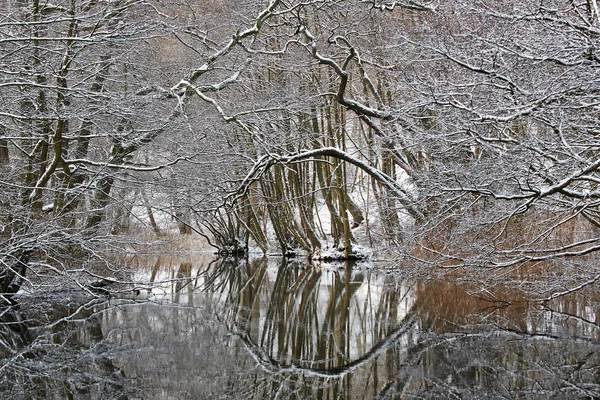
{"x":234,"y":41}
{"x":410,"y":5}
{"x":532,"y":193}
{"x":126,"y":166}
{"x":267,"y":161}
{"x":341,"y":71}
{"x":573,"y":289}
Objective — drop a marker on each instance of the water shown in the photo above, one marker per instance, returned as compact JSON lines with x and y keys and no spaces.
{"x":265,"y":329}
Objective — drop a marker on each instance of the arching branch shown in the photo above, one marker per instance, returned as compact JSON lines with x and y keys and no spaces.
{"x":267,"y":161}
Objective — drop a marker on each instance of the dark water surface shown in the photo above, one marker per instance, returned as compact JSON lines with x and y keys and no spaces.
{"x":268,"y":329}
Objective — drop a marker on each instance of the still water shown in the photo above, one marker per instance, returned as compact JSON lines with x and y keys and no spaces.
{"x":199,"y":328}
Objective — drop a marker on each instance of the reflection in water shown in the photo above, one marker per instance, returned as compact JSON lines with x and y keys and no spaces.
{"x":274,"y":329}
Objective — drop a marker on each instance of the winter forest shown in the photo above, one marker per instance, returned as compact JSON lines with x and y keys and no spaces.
{"x":303,"y":149}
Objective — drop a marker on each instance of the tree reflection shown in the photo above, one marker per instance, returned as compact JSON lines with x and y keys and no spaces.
{"x":267,"y":329}
{"x":337,"y":334}
{"x":63,"y":357}
{"x":316,"y":332}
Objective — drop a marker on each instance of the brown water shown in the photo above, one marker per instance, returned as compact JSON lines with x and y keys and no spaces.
{"x":205,"y":329}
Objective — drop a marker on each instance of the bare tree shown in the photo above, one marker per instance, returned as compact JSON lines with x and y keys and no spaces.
{"x":473,"y":120}
{"x":74,"y":113}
